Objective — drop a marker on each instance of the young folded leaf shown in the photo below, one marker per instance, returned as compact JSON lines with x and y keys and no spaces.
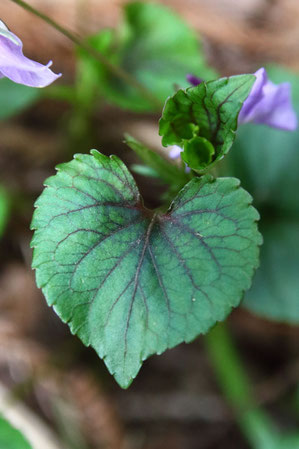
{"x":210,"y":111}
{"x":267,"y":104}
{"x":132,"y":282}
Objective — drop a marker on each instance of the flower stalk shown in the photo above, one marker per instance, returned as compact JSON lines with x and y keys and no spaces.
{"x":236,"y":386}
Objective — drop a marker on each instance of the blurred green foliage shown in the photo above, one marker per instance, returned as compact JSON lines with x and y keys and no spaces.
{"x":4,"y":209}
{"x":166,"y":171}
{"x":156,"y":47}
{"x":267,"y":162}
{"x":264,"y":434}
{"x":14,"y":98}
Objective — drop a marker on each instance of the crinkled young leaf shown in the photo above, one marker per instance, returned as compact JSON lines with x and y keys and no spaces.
{"x":156,"y":47}
{"x":131,"y":282}
{"x":10,"y":437}
{"x":198,"y":153}
{"x":209,"y":110}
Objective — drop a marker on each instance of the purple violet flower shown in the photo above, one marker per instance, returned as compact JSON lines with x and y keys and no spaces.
{"x":268,"y":103}
{"x":17,"y":67}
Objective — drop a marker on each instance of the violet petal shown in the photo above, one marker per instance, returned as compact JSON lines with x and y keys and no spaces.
{"x":255,"y":96}
{"x":175,"y":151}
{"x":17,"y":67}
{"x":269,"y":104}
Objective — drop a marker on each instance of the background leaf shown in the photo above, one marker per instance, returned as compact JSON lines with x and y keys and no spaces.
{"x":267,"y":162}
{"x":274,"y":293}
{"x":167,"y":171}
{"x":14,"y":98}
{"x":209,"y":110}
{"x":131,"y":282}
{"x":4,"y":209}
{"x":156,"y":47}
{"x":11,"y":438}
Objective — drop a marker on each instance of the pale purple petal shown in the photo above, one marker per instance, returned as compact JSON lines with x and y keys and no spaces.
{"x":255,"y":96}
{"x":269,"y":104}
{"x":17,"y":67}
{"x":175,"y":151}
{"x":275,"y":109}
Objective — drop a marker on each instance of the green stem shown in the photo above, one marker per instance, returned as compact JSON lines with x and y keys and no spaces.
{"x":76,"y":39}
{"x":235,"y":384}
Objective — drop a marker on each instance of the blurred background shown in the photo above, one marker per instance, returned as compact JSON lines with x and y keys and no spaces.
{"x":60,"y":392}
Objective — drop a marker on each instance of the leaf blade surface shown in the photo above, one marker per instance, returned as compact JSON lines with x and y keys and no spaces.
{"x":209,"y":110}
{"x":132,"y":282}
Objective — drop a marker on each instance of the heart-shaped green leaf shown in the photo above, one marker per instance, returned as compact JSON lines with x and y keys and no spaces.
{"x":132,"y":282}
{"x":210,"y":111}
